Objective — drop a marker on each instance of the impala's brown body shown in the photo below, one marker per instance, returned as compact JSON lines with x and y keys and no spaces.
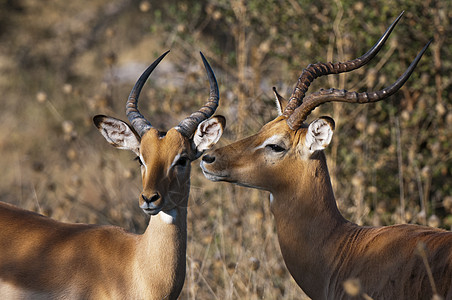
{"x":41,"y":258}
{"x":321,"y":249}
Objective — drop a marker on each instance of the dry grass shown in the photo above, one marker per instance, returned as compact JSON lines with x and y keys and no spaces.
{"x":64,"y":63}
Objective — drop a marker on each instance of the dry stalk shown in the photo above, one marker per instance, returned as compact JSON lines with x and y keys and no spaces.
{"x":422,"y":252}
{"x":400,"y":166}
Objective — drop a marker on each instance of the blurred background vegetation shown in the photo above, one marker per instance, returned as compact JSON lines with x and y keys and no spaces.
{"x":62,"y":62}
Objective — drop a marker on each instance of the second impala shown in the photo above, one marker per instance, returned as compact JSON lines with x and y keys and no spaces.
{"x":321,"y":249}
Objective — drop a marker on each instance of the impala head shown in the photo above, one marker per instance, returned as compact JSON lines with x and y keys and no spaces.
{"x":288,"y":149}
{"x":164,"y":157}
{"x":257,"y":161}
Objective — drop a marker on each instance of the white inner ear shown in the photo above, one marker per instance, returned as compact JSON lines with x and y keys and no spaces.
{"x":119,"y":134}
{"x":278,"y":106}
{"x":207,"y":134}
{"x":318,"y":136}
{"x":281,"y":102}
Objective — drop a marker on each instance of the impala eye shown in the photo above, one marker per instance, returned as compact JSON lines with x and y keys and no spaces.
{"x":275,"y":148}
{"x":182,"y":162}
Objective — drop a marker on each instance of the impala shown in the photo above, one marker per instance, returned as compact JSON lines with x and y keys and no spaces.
{"x":41,"y":258}
{"x":321,"y":249}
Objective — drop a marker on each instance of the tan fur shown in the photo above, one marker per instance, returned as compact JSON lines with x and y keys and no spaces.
{"x":44,"y":257}
{"x":41,"y":258}
{"x":321,"y":249}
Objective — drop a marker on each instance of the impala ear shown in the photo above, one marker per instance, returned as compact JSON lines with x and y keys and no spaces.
{"x":319,"y":134}
{"x":281,"y":102}
{"x":118,"y":133}
{"x":208,"y":133}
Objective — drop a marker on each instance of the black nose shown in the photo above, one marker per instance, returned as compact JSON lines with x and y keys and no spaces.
{"x":208,"y":158}
{"x":153,"y":198}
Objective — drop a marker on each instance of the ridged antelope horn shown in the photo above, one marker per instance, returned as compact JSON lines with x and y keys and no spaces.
{"x":314,"y":71}
{"x":136,"y":119}
{"x":315,"y":99}
{"x":188,"y":126}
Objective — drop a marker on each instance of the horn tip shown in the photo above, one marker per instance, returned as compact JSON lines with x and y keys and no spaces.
{"x":204,"y":60}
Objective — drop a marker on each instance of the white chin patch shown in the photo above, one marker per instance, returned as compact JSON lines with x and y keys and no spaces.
{"x":169,"y":217}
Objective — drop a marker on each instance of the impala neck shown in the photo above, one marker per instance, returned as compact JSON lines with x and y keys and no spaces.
{"x":307,"y":221}
{"x":161,"y":252}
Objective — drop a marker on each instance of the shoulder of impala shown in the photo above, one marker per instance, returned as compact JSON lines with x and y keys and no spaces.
{"x":41,"y":258}
{"x":320,"y":247}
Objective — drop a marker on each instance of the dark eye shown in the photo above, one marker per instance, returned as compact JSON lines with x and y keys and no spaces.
{"x":275,"y":148}
{"x":138,"y":159}
{"x":182,"y":162}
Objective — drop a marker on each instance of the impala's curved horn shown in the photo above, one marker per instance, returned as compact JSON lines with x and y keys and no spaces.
{"x":188,"y":126}
{"x":330,"y":95}
{"x":314,"y":71}
{"x":136,"y":119}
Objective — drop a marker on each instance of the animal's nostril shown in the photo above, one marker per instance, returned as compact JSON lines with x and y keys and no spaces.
{"x":153,"y":198}
{"x":208,"y":158}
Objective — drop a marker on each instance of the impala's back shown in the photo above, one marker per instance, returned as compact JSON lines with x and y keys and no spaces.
{"x":394,"y":262}
{"x":41,"y":258}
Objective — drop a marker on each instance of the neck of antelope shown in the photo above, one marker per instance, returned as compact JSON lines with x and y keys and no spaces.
{"x":161,"y":254}
{"x":308,"y":222}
